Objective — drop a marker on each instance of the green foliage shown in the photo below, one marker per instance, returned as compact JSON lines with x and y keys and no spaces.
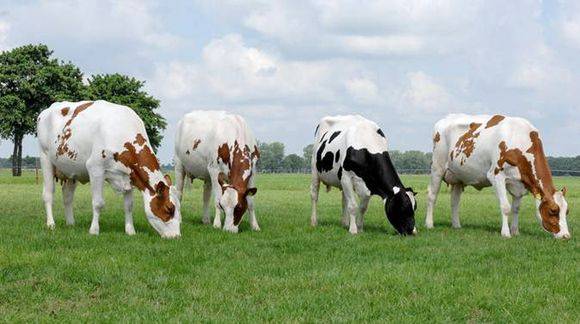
{"x":307,"y":152}
{"x":128,"y":91}
{"x":289,"y":271}
{"x":271,"y":156}
{"x":293,"y":163}
{"x":30,"y":80}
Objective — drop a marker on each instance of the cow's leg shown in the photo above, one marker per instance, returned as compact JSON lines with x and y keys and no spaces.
{"x":206,"y":198}
{"x":251,"y":207}
{"x":97,"y":178}
{"x":498,"y":183}
{"x":362,"y":209}
{"x":128,"y":207}
{"x":345,"y":221}
{"x":432,"y":192}
{"x":217,"y":194}
{"x":515,"y":214}
{"x":48,"y":188}
{"x":68,"y":193}
{"x":314,"y":191}
{"x":456,"y":191}
{"x":179,"y":178}
{"x":351,"y":206}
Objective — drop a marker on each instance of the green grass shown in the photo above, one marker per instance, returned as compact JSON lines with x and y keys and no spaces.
{"x":289,"y":271}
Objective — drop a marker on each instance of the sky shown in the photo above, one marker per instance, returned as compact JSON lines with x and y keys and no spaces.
{"x":283,"y":65}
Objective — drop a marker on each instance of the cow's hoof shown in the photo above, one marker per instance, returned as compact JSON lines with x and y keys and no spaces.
{"x":231,"y":229}
{"x":206,"y":221}
{"x":353,"y":230}
{"x":94,"y":230}
{"x":70,"y":222}
{"x":130,"y":230}
{"x":50,"y":226}
{"x":506,"y":235}
{"x":313,"y":223}
{"x":429,"y":225}
{"x":256,"y":228}
{"x":515,"y":231}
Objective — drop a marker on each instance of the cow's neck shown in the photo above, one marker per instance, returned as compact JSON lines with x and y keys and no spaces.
{"x":144,"y":168}
{"x":543,"y":184}
{"x":388,"y":177}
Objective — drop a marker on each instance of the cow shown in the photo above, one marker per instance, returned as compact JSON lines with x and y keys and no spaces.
{"x":219,"y":149}
{"x":350,"y":153}
{"x":499,"y":151}
{"x":98,"y":141}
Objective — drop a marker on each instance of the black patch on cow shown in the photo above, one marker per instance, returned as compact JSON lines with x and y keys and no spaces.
{"x":323,"y":136}
{"x":380,"y":132}
{"x":336,"y":156}
{"x":379,"y":175}
{"x":333,"y":136}
{"x":324,"y":164}
{"x":316,"y":130}
{"x":340,"y":173}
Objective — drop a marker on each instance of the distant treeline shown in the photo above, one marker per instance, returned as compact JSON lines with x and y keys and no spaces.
{"x":274,"y":160}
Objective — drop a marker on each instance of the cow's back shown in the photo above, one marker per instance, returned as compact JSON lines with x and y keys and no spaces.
{"x":467,"y":147}
{"x":70,"y":133}
{"x":201,"y":133}
{"x":334,"y":135}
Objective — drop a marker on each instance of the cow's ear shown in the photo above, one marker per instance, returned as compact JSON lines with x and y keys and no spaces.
{"x":251,"y":191}
{"x":168,"y":179}
{"x":564,"y":191}
{"x":411,"y":190}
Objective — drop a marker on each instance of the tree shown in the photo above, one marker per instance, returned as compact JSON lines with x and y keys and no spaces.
{"x":271,"y":156}
{"x":293,"y":163}
{"x":128,"y":91}
{"x":307,"y":152}
{"x":30,"y":80}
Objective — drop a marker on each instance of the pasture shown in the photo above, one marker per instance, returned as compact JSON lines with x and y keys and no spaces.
{"x":289,"y":271}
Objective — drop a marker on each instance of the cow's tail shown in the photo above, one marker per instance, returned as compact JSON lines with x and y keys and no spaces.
{"x":328,"y":188}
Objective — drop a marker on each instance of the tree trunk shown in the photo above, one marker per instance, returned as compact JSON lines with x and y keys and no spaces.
{"x":17,"y":156}
{"x":14,"y":153}
{"x":20,"y":156}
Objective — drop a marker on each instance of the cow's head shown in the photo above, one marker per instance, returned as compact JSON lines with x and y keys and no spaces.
{"x":234,"y":203}
{"x":400,"y":210}
{"x":553,"y":214}
{"x":163,"y":209}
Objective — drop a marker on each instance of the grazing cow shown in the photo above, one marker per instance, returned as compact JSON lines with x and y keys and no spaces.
{"x":350,"y":153}
{"x":97,"y":142}
{"x":220,"y":149}
{"x":503,"y":152}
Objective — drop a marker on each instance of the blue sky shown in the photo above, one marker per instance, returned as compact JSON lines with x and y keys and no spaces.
{"x":285,"y":64}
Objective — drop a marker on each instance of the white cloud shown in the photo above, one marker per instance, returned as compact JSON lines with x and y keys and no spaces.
{"x":422,"y":94}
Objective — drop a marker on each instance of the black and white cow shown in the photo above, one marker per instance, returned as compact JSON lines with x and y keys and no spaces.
{"x":350,"y":153}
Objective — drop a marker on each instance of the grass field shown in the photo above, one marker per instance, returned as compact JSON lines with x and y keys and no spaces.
{"x":288,"y":271}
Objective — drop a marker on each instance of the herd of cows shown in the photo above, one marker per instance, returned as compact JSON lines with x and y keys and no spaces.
{"x":101,"y":141}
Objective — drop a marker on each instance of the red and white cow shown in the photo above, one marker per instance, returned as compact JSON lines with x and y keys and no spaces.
{"x":503,"y":152}
{"x":220,"y":149}
{"x":96,"y":142}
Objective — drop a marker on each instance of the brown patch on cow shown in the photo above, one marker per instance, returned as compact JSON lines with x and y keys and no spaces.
{"x":540,"y":183}
{"x":196,"y":143}
{"x":224,"y":154}
{"x":496,"y":119}
{"x":62,"y":139}
{"x":140,"y":140}
{"x":436,"y":138}
{"x":161,"y":205}
{"x":77,"y":111}
{"x":466,"y":143}
{"x":255,"y":153}
{"x":139,"y":163}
